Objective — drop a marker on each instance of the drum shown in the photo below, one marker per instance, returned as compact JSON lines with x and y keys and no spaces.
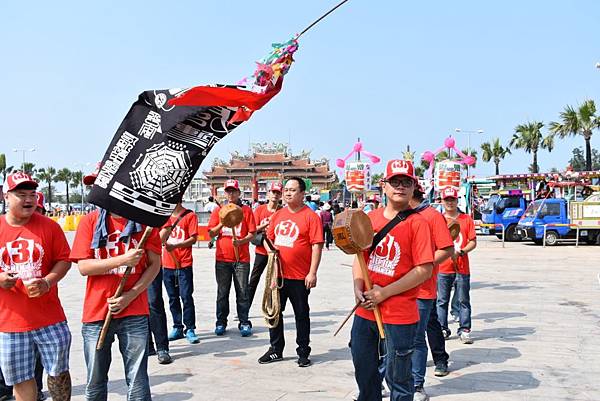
{"x":231,"y":215}
{"x":454,"y":228}
{"x":352,"y":231}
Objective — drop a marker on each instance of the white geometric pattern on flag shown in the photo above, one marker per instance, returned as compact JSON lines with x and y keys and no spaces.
{"x":163,"y":170}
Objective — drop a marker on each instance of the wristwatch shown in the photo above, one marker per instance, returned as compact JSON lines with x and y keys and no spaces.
{"x":461,"y":253}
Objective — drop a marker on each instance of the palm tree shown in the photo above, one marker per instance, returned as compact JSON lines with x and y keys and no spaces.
{"x":28,"y":168}
{"x":47,"y":175}
{"x":494,"y":151}
{"x":64,"y":175}
{"x":529,"y":137}
{"x":582,"y":121}
{"x":77,"y":182}
{"x":4,"y":170}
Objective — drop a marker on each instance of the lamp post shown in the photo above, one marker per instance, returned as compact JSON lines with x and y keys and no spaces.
{"x":23,"y":152}
{"x":468,"y":132}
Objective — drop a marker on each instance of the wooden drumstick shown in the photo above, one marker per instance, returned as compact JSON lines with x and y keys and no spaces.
{"x":369,"y":286}
{"x":347,"y":318}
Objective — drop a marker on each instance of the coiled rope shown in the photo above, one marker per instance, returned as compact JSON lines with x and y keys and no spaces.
{"x":270,"y":303}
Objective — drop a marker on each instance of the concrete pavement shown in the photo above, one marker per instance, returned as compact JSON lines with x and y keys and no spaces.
{"x":536,"y":319}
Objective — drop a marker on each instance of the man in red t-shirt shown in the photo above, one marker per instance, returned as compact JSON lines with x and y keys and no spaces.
{"x":104,"y":245}
{"x":297,"y":233}
{"x":457,"y":268}
{"x":398,"y":264}
{"x":262,"y":216}
{"x":232,"y":265}
{"x":443,"y":248}
{"x":34,"y":257}
{"x":179,"y":234}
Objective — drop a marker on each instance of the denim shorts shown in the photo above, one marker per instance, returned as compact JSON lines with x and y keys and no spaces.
{"x":18,"y":352}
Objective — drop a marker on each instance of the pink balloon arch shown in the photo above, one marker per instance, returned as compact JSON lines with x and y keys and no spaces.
{"x":357,"y":148}
{"x":450,"y":144}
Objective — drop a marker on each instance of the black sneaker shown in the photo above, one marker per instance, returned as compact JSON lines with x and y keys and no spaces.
{"x":441,"y":369}
{"x":164,"y":358}
{"x":270,"y":356}
{"x":303,"y":361}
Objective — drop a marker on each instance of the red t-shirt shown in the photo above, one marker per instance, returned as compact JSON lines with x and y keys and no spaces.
{"x":31,"y":251}
{"x":103,"y":286}
{"x":261,"y":216}
{"x":225,"y":251}
{"x":407,"y":245}
{"x":294,"y":234}
{"x":467,"y":233}
{"x":440,"y":239}
{"x":185,"y":229}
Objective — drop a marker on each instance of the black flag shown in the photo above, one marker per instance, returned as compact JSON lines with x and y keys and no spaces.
{"x":155,"y":154}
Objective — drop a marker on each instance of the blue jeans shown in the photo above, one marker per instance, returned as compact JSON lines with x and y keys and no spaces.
{"x":435,"y":338}
{"x":132,"y":332}
{"x":158,"y":317}
{"x":365,"y":348}
{"x":463,"y":286}
{"x":179,"y":284}
{"x":454,"y":305}
{"x":239,"y":273}
{"x":419,"y":357}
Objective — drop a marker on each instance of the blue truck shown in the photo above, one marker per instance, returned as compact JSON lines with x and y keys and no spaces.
{"x":558,"y":211}
{"x":504,"y":207}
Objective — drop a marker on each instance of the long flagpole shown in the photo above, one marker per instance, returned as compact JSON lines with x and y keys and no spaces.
{"x":320,"y":18}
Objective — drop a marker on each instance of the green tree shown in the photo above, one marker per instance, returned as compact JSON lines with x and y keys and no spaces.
{"x":494,"y":151}
{"x":64,"y":175}
{"x":47,"y":175}
{"x":4,"y":170}
{"x":582,"y":121}
{"x":578,"y":160}
{"x":528,"y":136}
{"x":29,"y":168}
{"x":375,"y":178}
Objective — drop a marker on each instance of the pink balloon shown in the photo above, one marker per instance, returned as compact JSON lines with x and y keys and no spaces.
{"x":449,"y":142}
{"x":469,"y":160}
{"x":428,"y":156}
{"x":375,"y":159}
{"x":340,"y":163}
{"x":357,"y":147}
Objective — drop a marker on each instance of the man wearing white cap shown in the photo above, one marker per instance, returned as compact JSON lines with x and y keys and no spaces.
{"x":262,"y":217}
{"x":228,"y":266}
{"x":457,"y":268}
{"x":34,"y":257}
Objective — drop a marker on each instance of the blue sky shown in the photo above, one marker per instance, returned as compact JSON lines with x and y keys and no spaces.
{"x":393,"y":73}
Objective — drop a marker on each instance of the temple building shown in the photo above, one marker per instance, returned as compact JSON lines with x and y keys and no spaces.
{"x":266,"y":163}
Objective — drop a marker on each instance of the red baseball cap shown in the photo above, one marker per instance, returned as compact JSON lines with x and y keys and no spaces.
{"x":275,"y":186}
{"x":232,"y":184}
{"x":91,"y":178}
{"x":400,"y":167}
{"x":449,"y":192}
{"x":17,"y":179}
{"x":40,"y":200}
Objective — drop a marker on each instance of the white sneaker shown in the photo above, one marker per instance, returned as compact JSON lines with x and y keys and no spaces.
{"x":465,"y":337}
{"x":420,"y":394}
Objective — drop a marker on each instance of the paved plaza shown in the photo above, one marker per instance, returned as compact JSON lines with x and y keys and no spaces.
{"x":536,"y":320}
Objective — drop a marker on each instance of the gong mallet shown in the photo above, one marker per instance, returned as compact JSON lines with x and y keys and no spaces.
{"x":347,"y":318}
{"x":119,"y":291}
{"x":353,"y":233}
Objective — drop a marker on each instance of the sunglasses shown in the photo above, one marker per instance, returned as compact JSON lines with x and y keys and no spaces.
{"x":404,"y":182}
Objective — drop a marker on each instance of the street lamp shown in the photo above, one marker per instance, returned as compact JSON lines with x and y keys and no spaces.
{"x":23,"y":151}
{"x":468,"y":132}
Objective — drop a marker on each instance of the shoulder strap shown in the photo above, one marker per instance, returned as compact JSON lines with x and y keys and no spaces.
{"x":400,"y":217}
{"x":180,"y":217}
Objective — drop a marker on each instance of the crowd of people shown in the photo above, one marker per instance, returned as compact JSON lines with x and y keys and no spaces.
{"x":413,"y":265}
